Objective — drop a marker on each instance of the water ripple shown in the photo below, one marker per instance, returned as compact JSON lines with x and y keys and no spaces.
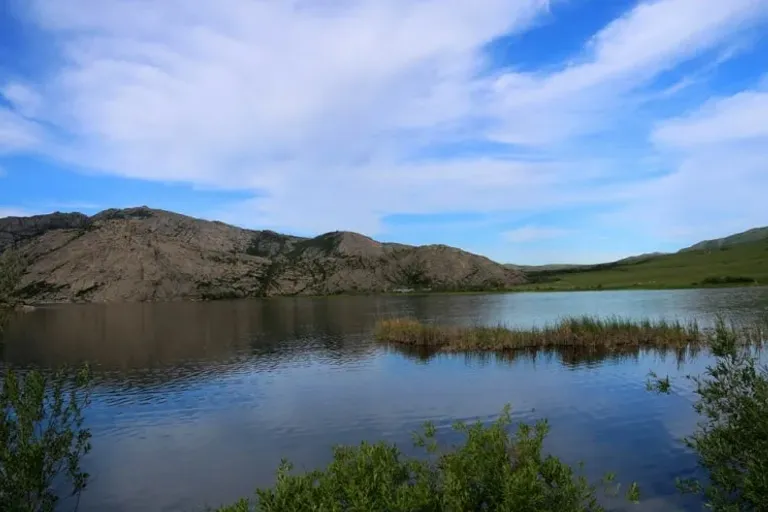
{"x":225,"y":390}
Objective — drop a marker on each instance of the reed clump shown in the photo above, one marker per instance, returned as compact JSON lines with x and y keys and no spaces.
{"x":569,"y":332}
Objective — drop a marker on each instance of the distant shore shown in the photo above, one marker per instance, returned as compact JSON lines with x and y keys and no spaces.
{"x":527,"y":288}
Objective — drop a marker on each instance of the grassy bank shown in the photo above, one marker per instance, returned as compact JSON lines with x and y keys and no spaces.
{"x":570,"y":332}
{"x":739,"y":265}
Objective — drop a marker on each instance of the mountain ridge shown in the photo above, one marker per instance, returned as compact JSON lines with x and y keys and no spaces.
{"x":145,"y":254}
{"x":750,"y":235}
{"x":736,"y":260}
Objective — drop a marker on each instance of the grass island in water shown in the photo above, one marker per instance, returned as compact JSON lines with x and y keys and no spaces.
{"x":569,"y":332}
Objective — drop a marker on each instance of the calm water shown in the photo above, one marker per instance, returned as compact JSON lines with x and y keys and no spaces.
{"x":196,"y":403}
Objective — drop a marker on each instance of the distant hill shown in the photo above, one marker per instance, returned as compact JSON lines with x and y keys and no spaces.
{"x":576,"y":267}
{"x":746,"y":237}
{"x":641,"y":257}
{"x":730,"y":265}
{"x":143,"y":254}
{"x":751,"y":235}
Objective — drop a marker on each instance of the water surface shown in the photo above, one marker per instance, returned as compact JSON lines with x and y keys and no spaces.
{"x":197,"y":402}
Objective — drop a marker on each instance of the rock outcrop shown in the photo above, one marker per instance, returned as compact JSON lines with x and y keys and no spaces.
{"x":142,"y":254}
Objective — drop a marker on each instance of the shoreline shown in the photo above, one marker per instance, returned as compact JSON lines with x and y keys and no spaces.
{"x":30,"y":306}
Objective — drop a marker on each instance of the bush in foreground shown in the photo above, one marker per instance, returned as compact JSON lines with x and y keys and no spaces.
{"x":490,"y":471}
{"x":42,"y":438}
{"x":731,"y":440}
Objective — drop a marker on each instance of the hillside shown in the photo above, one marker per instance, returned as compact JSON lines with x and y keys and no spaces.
{"x":579,"y":267}
{"x":142,"y":254}
{"x":751,"y":235}
{"x":739,"y":264}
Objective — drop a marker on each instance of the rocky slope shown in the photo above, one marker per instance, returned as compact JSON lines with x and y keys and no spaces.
{"x":142,"y":254}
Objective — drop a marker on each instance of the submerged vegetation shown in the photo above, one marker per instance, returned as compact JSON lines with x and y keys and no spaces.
{"x":569,"y":332}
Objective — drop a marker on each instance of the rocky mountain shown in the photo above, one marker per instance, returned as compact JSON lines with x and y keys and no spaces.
{"x":751,"y":235}
{"x":143,"y":254}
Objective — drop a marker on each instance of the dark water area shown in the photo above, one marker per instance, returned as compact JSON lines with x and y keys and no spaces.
{"x":196,"y":403}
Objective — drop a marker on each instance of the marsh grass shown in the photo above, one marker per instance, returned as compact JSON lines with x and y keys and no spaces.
{"x":588,"y":332}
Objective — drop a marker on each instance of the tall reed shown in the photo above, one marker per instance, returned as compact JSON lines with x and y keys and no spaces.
{"x":577,"y":331}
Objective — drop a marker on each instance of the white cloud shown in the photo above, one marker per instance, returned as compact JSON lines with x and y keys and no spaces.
{"x":319,"y":107}
{"x":590,"y":93}
{"x":17,"y":133}
{"x":12,"y":211}
{"x":741,"y":117}
{"x":22,"y":98}
{"x":720,"y":177}
{"x":534,"y":233}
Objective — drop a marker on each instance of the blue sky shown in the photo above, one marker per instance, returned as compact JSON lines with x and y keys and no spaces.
{"x":531,"y":131}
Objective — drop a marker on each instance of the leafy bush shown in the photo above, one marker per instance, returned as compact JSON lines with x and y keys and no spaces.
{"x":731,"y":441}
{"x":490,"y":471}
{"x":42,"y":438}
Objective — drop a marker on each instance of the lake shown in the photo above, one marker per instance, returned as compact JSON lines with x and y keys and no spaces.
{"x":196,"y":403}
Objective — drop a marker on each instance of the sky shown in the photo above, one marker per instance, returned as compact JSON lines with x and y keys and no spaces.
{"x":529,"y":131}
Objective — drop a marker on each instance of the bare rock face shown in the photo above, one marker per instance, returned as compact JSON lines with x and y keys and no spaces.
{"x":14,"y":230}
{"x":142,"y":254}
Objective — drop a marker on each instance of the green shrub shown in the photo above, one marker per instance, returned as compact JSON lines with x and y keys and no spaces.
{"x":731,"y":440}
{"x":490,"y":471}
{"x":42,"y":438}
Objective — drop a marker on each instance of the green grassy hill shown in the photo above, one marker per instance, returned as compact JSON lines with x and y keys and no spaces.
{"x":752,"y":235}
{"x":729,"y":265}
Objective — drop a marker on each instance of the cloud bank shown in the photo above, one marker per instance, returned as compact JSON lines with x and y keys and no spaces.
{"x":339,"y":115}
